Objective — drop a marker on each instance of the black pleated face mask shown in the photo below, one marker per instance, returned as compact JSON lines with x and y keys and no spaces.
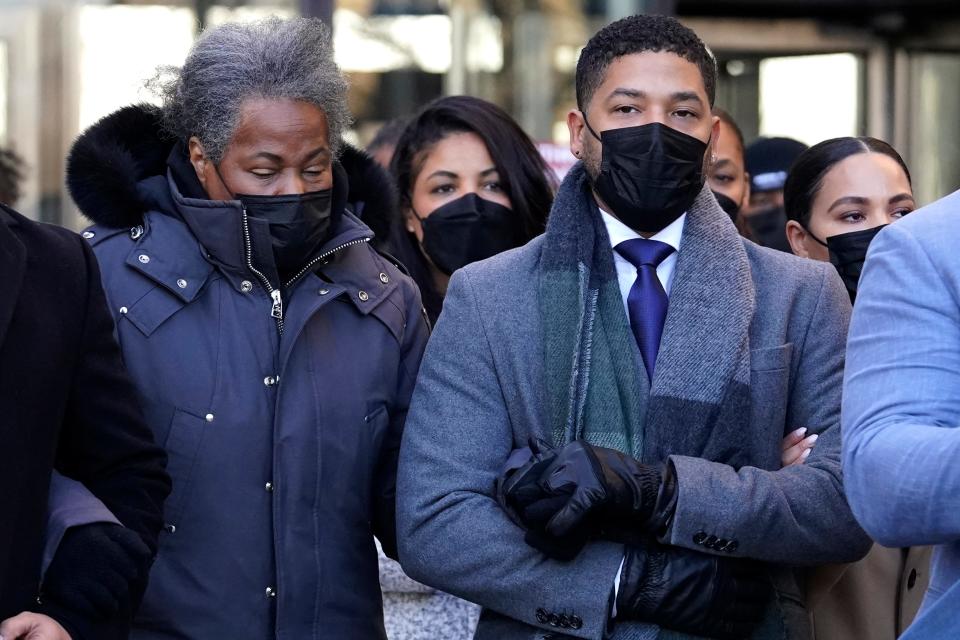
{"x":848,"y":251}
{"x":728,"y":205}
{"x":650,"y":174}
{"x":299,"y":224}
{"x":469,"y":229}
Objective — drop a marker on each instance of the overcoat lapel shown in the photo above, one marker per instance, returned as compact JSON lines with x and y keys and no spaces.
{"x":705,"y":344}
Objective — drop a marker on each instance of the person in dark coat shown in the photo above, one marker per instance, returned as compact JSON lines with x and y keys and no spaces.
{"x":68,"y":406}
{"x":768,"y":162}
{"x":274,"y":349}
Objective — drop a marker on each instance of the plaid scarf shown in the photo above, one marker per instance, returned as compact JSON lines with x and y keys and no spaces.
{"x":596,"y":386}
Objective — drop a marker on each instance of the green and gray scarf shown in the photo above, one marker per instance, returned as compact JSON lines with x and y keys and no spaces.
{"x":596,"y":385}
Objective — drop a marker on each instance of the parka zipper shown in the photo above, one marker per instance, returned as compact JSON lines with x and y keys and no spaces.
{"x":276,"y":308}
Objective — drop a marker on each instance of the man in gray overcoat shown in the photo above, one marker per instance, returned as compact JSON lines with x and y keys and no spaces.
{"x":593,"y":446}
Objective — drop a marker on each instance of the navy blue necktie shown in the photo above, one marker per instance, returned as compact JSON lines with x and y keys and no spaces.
{"x":647,"y":301}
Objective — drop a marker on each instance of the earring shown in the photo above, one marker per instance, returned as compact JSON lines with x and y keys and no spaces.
{"x":713,"y":158}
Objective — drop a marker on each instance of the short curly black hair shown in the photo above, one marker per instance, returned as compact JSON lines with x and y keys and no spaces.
{"x":636,"y":34}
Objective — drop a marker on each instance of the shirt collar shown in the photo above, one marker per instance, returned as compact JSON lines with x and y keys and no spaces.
{"x":672,"y":234}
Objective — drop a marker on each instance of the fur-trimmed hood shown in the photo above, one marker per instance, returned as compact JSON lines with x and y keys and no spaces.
{"x":111,"y":158}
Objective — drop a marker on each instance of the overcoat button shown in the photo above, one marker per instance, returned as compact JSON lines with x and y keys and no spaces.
{"x":144,"y":258}
{"x":123,"y":311}
{"x":271,"y":592}
{"x":209,"y":417}
{"x":364,"y":296}
{"x":88,"y":234}
{"x":182,"y":283}
{"x":246,"y":286}
{"x":384,"y":278}
{"x":324,"y":292}
{"x":136,"y":232}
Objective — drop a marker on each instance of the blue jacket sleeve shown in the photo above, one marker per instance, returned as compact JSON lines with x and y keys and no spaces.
{"x":70,"y":505}
{"x":901,"y":398}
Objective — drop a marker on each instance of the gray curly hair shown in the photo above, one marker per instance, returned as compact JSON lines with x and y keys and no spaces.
{"x":271,"y":58}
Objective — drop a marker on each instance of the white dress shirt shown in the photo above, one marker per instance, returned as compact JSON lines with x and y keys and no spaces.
{"x":626,"y":272}
{"x":627,"y":275}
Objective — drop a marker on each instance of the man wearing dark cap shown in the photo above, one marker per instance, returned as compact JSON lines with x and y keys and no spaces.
{"x":768,"y":162}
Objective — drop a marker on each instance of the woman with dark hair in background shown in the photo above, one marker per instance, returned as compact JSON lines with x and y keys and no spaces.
{"x":840,"y":193}
{"x":838,"y":196}
{"x":471,"y":185}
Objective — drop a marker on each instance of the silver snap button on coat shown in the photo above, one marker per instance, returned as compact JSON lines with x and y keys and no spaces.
{"x":123,"y":311}
{"x":384,"y":278}
{"x":182,"y":283}
{"x":271,"y":592}
{"x":209,"y":417}
{"x":270,"y":381}
{"x":88,"y":234}
{"x":364,"y":296}
{"x":136,"y":232}
{"x":324,"y":292}
{"x":268,"y":487}
{"x":246,"y":286}
{"x":144,"y":258}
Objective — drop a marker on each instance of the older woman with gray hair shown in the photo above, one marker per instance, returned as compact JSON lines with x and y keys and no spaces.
{"x":274,"y":349}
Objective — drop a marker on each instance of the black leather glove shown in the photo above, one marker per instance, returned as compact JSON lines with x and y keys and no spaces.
{"x":692,"y":592}
{"x":586,"y":487}
{"x":518,"y":487}
{"x":96,"y":568}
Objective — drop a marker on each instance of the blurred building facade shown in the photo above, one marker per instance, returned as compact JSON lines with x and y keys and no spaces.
{"x":809,"y":69}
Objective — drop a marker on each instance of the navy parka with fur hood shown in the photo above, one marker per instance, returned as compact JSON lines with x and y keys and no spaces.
{"x":282,"y":436}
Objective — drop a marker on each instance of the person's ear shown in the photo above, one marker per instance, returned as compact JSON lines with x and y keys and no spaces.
{"x":412,"y":223}
{"x":577,"y":127}
{"x":797,"y":237}
{"x":198,"y":158}
{"x":714,"y":136}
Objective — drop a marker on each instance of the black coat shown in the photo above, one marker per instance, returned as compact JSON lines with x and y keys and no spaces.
{"x":66,"y":404}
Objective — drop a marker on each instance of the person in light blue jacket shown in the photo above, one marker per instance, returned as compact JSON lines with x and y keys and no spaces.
{"x":901,"y":402}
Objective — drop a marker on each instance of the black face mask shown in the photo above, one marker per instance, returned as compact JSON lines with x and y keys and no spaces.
{"x":467,"y":230}
{"x":848,"y":251}
{"x":299,"y":224}
{"x":649,"y":175}
{"x":727,"y":204}
{"x":768,"y":228}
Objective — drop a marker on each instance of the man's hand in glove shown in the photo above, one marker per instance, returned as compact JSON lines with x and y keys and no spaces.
{"x":95,"y":569}
{"x":692,"y":592}
{"x":585,"y":486}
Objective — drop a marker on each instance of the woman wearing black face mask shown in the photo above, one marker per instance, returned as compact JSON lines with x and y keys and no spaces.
{"x":275,"y":351}
{"x":839,"y":194}
{"x":471,"y":185}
